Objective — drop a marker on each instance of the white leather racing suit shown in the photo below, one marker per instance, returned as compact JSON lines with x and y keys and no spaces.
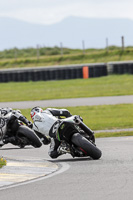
{"x":44,"y":121}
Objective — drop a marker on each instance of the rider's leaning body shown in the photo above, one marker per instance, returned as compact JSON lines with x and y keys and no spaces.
{"x":47,"y":122}
{"x":9,"y":125}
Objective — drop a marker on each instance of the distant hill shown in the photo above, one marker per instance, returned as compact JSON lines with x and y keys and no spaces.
{"x":71,"y":32}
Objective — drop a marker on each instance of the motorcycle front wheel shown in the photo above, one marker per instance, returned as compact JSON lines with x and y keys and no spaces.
{"x":87,"y":147}
{"x":30,"y":135}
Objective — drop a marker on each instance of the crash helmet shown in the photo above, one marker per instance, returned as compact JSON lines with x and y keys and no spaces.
{"x":35,"y":111}
{"x":5,"y":111}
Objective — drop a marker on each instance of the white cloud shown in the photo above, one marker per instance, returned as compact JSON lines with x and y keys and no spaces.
{"x":51,"y":11}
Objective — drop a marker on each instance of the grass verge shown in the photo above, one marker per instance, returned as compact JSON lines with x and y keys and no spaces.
{"x":112,"y":85}
{"x":114,"y":134}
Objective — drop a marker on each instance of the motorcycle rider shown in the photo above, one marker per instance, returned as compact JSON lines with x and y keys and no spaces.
{"x":8,"y":124}
{"x":48,"y":122}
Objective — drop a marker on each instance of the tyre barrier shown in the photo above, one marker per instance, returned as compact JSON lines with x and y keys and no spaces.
{"x":66,"y":72}
{"x":53,"y":73}
{"x":120,"y":68}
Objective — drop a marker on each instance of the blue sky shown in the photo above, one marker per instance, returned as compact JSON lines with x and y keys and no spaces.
{"x":52,"y":11}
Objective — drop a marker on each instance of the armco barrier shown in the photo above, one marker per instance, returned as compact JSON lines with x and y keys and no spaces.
{"x":52,"y":73}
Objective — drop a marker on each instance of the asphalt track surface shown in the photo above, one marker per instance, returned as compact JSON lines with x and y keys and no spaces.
{"x":109,"y":178}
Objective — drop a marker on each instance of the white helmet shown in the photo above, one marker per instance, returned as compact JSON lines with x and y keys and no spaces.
{"x":34,"y":111}
{"x":5,"y":111}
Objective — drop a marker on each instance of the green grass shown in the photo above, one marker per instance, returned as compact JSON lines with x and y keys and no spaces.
{"x":104,"y":117}
{"x":114,"y":134}
{"x":51,"y":56}
{"x":104,"y":86}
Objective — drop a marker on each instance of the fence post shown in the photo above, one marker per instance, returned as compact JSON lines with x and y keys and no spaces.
{"x":122,"y":40}
{"x":38,"y":53}
{"x":83,"y":45}
{"x":107,"y":47}
{"x":15,"y":53}
{"x":61,"y":48}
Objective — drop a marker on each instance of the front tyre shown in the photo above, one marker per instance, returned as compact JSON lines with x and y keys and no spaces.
{"x":87,"y":147}
{"x":30,"y":135}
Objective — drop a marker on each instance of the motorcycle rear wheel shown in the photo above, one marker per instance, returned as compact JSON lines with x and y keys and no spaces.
{"x":87,"y":147}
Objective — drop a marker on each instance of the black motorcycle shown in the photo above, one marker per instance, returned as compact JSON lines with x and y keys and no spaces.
{"x":17,"y":133}
{"x":82,"y":143}
{"x":79,"y":144}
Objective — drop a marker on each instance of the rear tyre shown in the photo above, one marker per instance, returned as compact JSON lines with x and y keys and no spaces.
{"x":88,"y":148}
{"x":30,"y":135}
